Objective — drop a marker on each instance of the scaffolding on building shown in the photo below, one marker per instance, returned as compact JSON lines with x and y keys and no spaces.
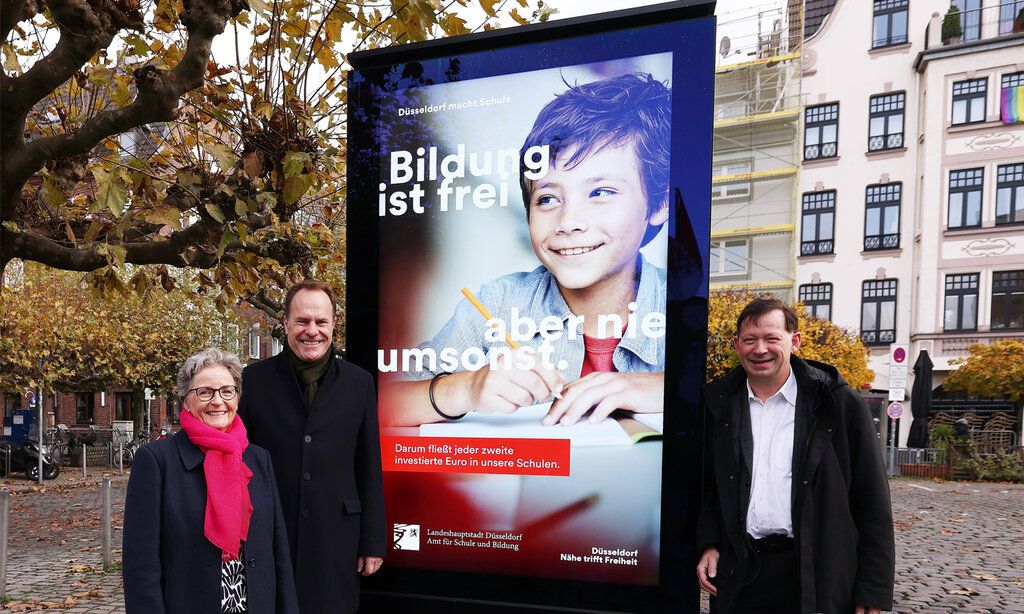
{"x":756,"y":155}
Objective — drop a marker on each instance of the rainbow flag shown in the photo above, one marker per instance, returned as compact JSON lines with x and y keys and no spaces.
{"x":1013,"y":104}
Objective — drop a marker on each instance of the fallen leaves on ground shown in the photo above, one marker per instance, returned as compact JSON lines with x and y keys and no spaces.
{"x":34,"y":605}
{"x":985,"y":576}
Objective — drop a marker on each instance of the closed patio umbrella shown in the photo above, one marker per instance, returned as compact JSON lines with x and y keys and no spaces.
{"x":920,"y":401}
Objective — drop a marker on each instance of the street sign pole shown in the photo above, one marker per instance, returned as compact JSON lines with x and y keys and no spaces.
{"x":892,"y":447}
{"x":39,"y":424}
{"x":895,"y":412}
{"x":899,"y":357}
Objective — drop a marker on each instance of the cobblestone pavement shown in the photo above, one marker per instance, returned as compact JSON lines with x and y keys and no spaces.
{"x":958,"y":547}
{"x":55,"y":559}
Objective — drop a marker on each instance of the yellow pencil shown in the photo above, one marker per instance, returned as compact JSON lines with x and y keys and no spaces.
{"x":487,"y":315}
{"x":508,"y":338}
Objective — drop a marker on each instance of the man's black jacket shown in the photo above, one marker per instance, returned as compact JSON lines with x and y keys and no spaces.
{"x":328,"y":467}
{"x":842,"y":516}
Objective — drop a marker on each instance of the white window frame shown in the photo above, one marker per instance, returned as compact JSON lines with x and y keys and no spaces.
{"x":254,"y":341}
{"x":720,"y":248}
{"x":737,"y":189}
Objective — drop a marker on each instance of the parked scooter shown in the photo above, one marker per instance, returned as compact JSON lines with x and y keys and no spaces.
{"x":26,"y":458}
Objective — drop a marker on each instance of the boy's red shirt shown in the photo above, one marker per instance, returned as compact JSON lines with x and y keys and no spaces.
{"x":597,"y":355}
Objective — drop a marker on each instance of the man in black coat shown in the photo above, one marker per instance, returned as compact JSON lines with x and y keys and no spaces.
{"x":796,"y":514}
{"x":317,"y":415}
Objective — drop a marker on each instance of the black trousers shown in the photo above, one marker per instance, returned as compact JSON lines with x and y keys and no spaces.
{"x":776,"y":590}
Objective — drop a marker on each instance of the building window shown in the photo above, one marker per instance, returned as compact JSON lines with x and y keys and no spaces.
{"x":233,"y":342}
{"x":1011,"y":90}
{"x":85,"y":407}
{"x":729,"y":257}
{"x":12,"y":401}
{"x":878,"y":311}
{"x":173,"y":411}
{"x":818,"y":300}
{"x":890,"y":26}
{"x":882,"y":216}
{"x":969,"y":101}
{"x":254,"y":342}
{"x":821,"y":131}
{"x":1008,"y":300}
{"x":885,"y":128}
{"x":732,"y":189}
{"x":965,"y":198}
{"x":122,"y":406}
{"x":1009,"y":12}
{"x":970,"y":19}
{"x":961,"y":307}
{"x":1010,"y":193}
{"x":816,"y":233}
{"x":275,"y":346}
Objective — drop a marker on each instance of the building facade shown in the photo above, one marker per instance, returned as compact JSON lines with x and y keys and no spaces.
{"x":912,"y":178}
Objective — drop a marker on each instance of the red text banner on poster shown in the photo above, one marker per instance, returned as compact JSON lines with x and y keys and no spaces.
{"x":476,"y":455}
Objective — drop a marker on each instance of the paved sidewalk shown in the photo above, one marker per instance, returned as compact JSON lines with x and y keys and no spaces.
{"x":958,"y":547}
{"x":54,"y":553}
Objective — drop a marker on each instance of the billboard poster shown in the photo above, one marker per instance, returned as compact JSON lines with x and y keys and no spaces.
{"x":534,"y":208}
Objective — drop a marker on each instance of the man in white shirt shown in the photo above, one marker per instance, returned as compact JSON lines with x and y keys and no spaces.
{"x":796,"y":514}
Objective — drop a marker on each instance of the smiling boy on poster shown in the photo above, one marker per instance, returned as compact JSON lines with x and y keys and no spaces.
{"x":594,"y":310}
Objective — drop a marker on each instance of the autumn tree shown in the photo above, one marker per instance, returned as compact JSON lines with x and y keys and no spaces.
{"x":993,"y":370}
{"x":821,"y":340}
{"x":57,"y":333}
{"x":126,"y":142}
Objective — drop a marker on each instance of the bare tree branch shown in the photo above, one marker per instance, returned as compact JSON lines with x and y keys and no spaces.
{"x":14,"y":11}
{"x":84,"y":30}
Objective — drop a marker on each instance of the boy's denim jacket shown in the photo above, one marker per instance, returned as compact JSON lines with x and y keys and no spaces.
{"x":536,"y":295}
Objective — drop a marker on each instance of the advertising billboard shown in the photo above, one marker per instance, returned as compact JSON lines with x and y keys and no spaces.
{"x":528,"y":232}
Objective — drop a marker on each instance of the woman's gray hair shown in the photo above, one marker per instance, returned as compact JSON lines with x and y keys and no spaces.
{"x":210,"y":357}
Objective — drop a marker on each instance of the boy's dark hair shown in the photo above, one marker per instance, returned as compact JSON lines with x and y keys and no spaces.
{"x":762,"y":306}
{"x":632,"y":108}
{"x":310,"y":284}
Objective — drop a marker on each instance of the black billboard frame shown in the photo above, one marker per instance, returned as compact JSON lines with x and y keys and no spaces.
{"x":404,"y":589}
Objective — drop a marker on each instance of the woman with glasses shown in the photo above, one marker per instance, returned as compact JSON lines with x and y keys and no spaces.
{"x":203,"y":529}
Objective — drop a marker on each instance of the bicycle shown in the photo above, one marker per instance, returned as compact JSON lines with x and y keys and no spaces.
{"x":59,"y":440}
{"x":127,"y":452}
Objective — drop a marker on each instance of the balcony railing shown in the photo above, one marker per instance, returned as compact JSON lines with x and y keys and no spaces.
{"x":876,"y":337}
{"x":979,"y":23}
{"x":886,"y":241}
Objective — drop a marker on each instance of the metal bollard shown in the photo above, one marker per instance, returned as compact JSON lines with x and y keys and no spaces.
{"x":84,"y":474}
{"x":105,"y":490}
{"x":5,"y":503}
{"x":120,"y":456}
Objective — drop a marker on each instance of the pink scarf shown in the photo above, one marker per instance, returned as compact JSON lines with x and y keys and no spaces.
{"x":228,"y":508}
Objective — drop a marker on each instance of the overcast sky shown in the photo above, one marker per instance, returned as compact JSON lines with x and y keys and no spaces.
{"x":736,"y":18}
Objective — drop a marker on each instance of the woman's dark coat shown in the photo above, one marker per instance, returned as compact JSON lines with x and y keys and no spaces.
{"x":169,"y":565}
{"x":842,"y":516}
{"x":328,"y":468}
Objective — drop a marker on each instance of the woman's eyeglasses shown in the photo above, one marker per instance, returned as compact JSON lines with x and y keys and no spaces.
{"x":205,"y":393}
